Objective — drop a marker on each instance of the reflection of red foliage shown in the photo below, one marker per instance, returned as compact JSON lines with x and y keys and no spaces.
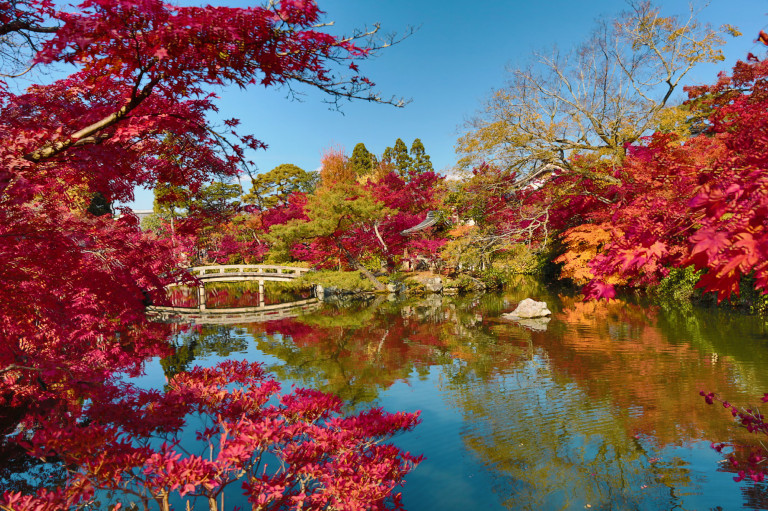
{"x":217,"y":298}
{"x":748,"y":461}
{"x":316,"y":446}
{"x":374,"y":350}
{"x":615,"y":350}
{"x":223,"y":298}
{"x":288,"y":327}
{"x":183,"y":296}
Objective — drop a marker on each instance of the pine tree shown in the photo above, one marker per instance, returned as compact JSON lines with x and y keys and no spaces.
{"x":420,"y":162}
{"x":273,"y":188}
{"x":399,"y":158}
{"x":362,"y":160}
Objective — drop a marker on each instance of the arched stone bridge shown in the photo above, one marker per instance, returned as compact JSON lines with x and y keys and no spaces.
{"x":240,"y":272}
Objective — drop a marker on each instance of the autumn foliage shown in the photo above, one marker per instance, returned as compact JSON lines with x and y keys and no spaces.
{"x":292,"y":451}
{"x":71,"y":278}
{"x":136,"y":112}
{"x":747,"y":462}
{"x":700,"y":201}
{"x":674,"y":201}
{"x":582,"y":243}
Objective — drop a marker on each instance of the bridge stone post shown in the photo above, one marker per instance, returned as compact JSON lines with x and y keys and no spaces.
{"x":262,"y":301}
{"x":201,"y":297}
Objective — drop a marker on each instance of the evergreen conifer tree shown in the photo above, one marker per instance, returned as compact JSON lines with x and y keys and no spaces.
{"x":273,"y":188}
{"x":398,"y":157}
{"x":362,"y":160}
{"x":420,"y":161}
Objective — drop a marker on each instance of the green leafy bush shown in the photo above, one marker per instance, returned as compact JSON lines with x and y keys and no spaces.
{"x":347,"y":280}
{"x":494,"y":278}
{"x":519,"y":259}
{"x":679,"y":285}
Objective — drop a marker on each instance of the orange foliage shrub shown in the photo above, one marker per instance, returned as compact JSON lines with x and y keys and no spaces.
{"x":584,"y":243}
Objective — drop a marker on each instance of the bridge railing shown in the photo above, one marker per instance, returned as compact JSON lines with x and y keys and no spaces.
{"x":251,"y":270}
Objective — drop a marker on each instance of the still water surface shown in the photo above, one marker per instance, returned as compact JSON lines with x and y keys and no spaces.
{"x":598,"y":409}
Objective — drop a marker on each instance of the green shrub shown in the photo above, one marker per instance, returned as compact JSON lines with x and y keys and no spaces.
{"x":396,"y":277}
{"x":679,"y":285}
{"x":494,"y":278}
{"x":464,"y":283}
{"x":348,"y":280}
{"x":751,"y":298}
{"x":519,"y":259}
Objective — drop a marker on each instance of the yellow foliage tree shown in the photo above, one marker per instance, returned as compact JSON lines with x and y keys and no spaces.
{"x":584,"y":243}
{"x":592,"y":101}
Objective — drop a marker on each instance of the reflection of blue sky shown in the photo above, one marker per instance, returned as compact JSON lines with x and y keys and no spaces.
{"x":566,"y":452}
{"x":521,"y":434}
{"x":525,"y":408}
{"x":450,"y":478}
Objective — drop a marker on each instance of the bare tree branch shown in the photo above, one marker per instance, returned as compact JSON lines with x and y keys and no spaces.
{"x":592,"y":101}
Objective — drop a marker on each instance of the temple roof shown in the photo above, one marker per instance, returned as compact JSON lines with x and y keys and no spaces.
{"x":429,"y":221}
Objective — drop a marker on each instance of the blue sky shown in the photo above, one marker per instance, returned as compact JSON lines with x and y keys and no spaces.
{"x":459,"y":53}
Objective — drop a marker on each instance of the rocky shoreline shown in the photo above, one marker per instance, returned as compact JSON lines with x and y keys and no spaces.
{"x":422,"y":283}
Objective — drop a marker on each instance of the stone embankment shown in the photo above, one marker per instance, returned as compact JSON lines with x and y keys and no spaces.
{"x":417,"y":283}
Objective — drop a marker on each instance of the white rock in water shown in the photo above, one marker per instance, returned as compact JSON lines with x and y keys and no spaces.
{"x":529,"y":309}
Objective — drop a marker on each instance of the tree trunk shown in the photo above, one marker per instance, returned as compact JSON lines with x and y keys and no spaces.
{"x":356,"y":264}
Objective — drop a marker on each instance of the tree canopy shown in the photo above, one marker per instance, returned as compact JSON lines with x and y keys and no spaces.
{"x":363,"y":161}
{"x":135,"y":110}
{"x":274,"y":187}
{"x":570,"y":108}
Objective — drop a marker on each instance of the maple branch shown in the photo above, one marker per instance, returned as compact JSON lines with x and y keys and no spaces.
{"x":22,"y":73}
{"x":354,"y":87}
{"x":20,"y":26}
{"x":223,"y":142}
{"x":337,"y":91}
{"x":14,"y":367}
{"x":89,"y":134}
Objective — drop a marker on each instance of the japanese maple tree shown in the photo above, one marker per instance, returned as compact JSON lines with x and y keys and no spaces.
{"x":676,"y":202}
{"x":732,"y":202}
{"x":702,"y":202}
{"x":105,"y":129}
{"x":352,"y":217}
{"x":134,"y":112}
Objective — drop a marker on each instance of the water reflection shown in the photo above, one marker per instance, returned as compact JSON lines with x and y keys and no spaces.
{"x":233,"y":295}
{"x":600,"y":410}
{"x":551,"y":447}
{"x":231,"y":304}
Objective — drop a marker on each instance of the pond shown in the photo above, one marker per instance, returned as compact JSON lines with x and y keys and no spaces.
{"x":598,"y":409}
